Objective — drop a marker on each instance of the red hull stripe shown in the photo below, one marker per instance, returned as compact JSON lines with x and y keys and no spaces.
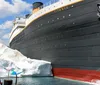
{"x":77,"y":74}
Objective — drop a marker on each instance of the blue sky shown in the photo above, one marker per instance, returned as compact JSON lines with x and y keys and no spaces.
{"x":9,"y":10}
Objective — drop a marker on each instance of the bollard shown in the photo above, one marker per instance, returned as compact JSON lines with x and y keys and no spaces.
{"x":8,"y":82}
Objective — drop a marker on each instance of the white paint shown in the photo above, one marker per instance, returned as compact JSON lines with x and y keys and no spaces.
{"x":10,"y":58}
{"x":16,"y":28}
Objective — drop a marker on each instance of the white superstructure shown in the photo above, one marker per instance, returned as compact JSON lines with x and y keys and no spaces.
{"x":19,"y":25}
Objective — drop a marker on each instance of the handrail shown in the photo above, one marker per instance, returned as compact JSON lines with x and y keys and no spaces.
{"x":46,"y":9}
{"x":49,"y":3}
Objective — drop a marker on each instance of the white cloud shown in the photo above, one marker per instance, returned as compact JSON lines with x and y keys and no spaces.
{"x":17,"y":6}
{"x":6,"y":36}
{"x":1,"y":41}
{"x":6,"y":25}
{"x":4,"y":33}
{"x":1,"y":32}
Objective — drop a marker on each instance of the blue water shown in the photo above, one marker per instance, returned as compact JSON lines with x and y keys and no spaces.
{"x":46,"y":81}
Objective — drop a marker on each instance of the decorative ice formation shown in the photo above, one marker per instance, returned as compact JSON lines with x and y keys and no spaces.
{"x":13,"y":61}
{"x":95,"y":82}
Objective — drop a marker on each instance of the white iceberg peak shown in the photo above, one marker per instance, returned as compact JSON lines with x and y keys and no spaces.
{"x":13,"y":59}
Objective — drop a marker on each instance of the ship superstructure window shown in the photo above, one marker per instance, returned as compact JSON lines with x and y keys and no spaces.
{"x":63,"y":16}
{"x":69,"y":15}
{"x":72,"y":6}
{"x":57,"y":18}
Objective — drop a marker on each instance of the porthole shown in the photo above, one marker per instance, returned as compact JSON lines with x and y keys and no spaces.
{"x":57,"y":18}
{"x":63,"y":16}
{"x":69,"y":15}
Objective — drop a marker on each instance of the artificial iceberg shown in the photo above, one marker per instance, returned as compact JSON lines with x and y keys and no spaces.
{"x":12,"y":60}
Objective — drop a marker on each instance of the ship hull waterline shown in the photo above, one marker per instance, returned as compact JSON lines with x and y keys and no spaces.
{"x":68,"y":37}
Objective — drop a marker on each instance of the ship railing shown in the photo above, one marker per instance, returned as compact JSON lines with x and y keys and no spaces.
{"x":48,"y":3}
{"x":18,"y":24}
{"x":45,"y":5}
{"x":56,"y":4}
{"x":14,"y":33}
{"x":15,"y":27}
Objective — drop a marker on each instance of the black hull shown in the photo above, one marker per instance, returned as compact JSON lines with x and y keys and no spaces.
{"x":68,"y":37}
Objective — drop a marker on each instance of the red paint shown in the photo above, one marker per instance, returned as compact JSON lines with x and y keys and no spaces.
{"x":77,"y":74}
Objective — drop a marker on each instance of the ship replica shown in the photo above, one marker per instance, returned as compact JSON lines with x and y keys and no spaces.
{"x":64,"y":32}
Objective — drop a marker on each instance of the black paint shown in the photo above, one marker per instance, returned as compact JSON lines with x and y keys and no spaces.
{"x":68,"y":38}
